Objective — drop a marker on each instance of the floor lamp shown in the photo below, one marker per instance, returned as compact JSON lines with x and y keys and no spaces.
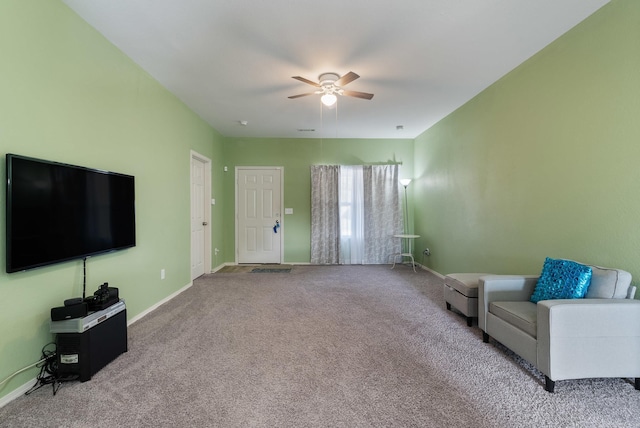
{"x":405,"y":182}
{"x":406,"y":237}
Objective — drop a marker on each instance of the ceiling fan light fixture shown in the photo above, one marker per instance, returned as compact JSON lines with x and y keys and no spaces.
{"x":328,"y":78}
{"x":328,"y":99}
{"x":330,"y":85}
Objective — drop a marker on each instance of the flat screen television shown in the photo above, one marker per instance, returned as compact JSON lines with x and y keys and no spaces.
{"x":57,"y":212}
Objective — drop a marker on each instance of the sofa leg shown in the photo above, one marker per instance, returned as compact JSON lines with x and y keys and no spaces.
{"x":469,"y":321}
{"x":485,"y":337}
{"x":637,"y":383}
{"x":549,"y":384}
{"x":448,"y":306}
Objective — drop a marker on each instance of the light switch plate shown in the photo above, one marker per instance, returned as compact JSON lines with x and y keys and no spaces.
{"x":288,"y":210}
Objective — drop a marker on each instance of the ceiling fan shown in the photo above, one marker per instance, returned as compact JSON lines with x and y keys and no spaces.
{"x":330,"y":85}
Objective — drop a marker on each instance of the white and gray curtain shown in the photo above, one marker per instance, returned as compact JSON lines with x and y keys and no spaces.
{"x":325,"y":229}
{"x":355,"y":211}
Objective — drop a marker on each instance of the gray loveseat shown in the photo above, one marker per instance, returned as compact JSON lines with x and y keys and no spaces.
{"x":597,"y":336}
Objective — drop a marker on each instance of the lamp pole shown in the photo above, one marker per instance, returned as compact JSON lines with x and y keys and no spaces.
{"x":405,"y":182}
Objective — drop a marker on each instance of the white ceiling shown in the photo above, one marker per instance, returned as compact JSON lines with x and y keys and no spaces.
{"x":232,"y":61}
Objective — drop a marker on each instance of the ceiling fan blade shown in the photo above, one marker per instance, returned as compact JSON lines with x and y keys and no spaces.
{"x":347,"y":78}
{"x":357,"y":94}
{"x":302,"y":79}
{"x":301,"y":95}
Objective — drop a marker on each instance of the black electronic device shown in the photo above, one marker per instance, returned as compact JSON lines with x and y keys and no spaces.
{"x":57,"y":212}
{"x":77,"y":307}
{"x":73,"y":301}
{"x":66,"y":312}
{"x":104,"y":297}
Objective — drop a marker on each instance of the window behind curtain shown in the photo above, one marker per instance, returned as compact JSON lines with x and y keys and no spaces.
{"x":351,"y":202}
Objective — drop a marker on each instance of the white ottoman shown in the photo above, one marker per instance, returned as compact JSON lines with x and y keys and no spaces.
{"x":461,"y":292}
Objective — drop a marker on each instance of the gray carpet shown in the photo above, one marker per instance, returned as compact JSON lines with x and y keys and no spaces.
{"x":322,"y":346}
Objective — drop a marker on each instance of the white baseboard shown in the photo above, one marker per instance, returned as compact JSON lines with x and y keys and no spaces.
{"x":216,"y":269}
{"x":18,"y":392}
{"x":431,"y":270}
{"x":157,"y":305}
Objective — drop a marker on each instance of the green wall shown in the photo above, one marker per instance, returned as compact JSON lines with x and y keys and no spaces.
{"x":296,"y":156}
{"x":542,"y":163}
{"x":66,"y":94}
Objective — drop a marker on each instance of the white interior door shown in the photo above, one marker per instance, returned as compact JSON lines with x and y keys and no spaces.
{"x":200,"y":215}
{"x":258,"y":221}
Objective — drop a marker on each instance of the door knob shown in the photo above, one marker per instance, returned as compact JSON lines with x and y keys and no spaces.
{"x":204,"y":223}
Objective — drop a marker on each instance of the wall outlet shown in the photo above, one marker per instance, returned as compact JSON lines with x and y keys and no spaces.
{"x":216,"y":251}
{"x":162,"y":274}
{"x":426,"y":252}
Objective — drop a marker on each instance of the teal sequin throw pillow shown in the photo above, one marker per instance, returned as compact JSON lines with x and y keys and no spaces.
{"x":562,"y":279}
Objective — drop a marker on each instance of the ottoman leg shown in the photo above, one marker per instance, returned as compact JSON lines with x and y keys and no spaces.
{"x":549,"y":385}
{"x":448,"y":306}
{"x":469,"y":321}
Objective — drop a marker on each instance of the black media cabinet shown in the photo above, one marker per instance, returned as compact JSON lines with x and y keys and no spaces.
{"x":86,"y":345}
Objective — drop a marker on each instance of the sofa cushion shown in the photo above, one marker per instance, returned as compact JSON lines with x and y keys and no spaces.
{"x":607,"y":283}
{"x":522,"y":314}
{"x":562,"y":279}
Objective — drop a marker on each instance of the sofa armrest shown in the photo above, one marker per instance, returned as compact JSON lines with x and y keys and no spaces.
{"x":580,"y":338}
{"x":494,"y":288}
